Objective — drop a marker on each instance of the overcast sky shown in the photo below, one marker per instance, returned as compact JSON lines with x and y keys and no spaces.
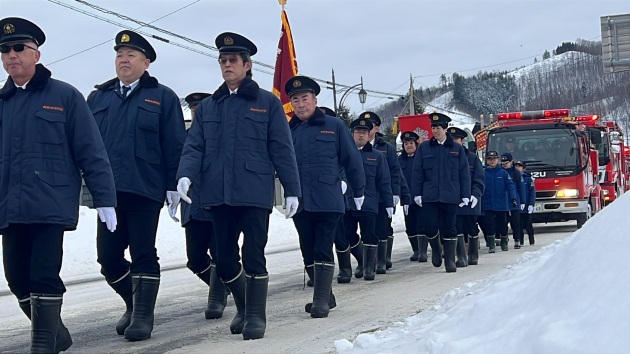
{"x":382,"y":40}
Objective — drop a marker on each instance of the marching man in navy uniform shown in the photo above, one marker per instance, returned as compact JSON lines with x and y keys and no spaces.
{"x":48,"y":140}
{"x":377,"y":188}
{"x":412,"y":216}
{"x":238,"y":138}
{"x":197,"y":223}
{"x":441,"y":184}
{"x":384,"y":229}
{"x":467,"y":230}
{"x":142,"y":125}
{"x":323,"y":145}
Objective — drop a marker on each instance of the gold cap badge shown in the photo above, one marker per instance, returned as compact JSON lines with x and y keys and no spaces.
{"x":228,"y":40}
{"x":436,"y":117}
{"x":407,"y":135}
{"x":297,"y":83}
{"x":362,"y":122}
{"x":9,"y":28}
{"x":367,"y":115}
{"x":453,"y":131}
{"x":125,"y":38}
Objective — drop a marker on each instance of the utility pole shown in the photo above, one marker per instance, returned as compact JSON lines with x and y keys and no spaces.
{"x":334,"y":92}
{"x":412,"y":106}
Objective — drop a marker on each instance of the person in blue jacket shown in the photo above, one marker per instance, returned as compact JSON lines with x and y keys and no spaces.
{"x":498,"y":197}
{"x":384,"y":229}
{"x":521,"y":194}
{"x":413,"y":217}
{"x":238,"y":138}
{"x":200,"y":244}
{"x":323,"y":146}
{"x":142,"y":125}
{"x":530,"y":201}
{"x":377,"y":188}
{"x":48,"y":141}
{"x":467,"y":230}
{"x":441,"y":183}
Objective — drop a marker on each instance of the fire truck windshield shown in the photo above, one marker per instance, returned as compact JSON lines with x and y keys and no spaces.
{"x":541,"y":149}
{"x":603,"y":149}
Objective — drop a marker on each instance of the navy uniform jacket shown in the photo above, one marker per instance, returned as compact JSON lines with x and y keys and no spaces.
{"x":521,"y":188}
{"x":500,"y":191}
{"x":194,"y":210}
{"x":530,"y":190}
{"x":143,"y":134}
{"x":377,"y":181}
{"x":441,"y":172}
{"x":478,"y":184}
{"x":48,"y":140}
{"x":324,"y":148}
{"x":392,"y":161}
{"x":406,"y":166}
{"x":236,"y":142}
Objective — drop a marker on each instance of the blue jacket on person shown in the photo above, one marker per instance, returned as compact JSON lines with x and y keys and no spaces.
{"x":324,"y":149}
{"x":194,"y":210}
{"x":521,"y":188}
{"x":377,"y":181}
{"x":406,"y":166}
{"x":499,"y":193}
{"x":392,"y":161}
{"x":143,"y":133}
{"x":478,"y":184}
{"x":48,"y":141}
{"x":236,"y":142}
{"x":530,"y":190}
{"x":440,"y":172}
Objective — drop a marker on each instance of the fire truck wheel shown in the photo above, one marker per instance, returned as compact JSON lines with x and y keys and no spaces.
{"x":583,"y":218}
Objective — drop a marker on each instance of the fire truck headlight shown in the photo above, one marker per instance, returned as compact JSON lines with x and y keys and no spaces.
{"x":567,"y":193}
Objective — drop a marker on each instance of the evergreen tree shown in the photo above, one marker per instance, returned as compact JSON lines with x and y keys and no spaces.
{"x":546,"y":55}
{"x":344,"y":114}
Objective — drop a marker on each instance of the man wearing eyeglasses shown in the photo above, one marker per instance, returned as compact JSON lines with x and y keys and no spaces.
{"x":142,"y":125}
{"x":238,"y":138}
{"x":48,"y":139}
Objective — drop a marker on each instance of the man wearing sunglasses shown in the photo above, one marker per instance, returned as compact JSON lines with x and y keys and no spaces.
{"x":238,"y":139}
{"x":142,"y":125}
{"x":48,"y":139}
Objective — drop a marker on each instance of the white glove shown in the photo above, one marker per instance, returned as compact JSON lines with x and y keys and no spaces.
{"x":344,"y":187}
{"x":465,"y":201}
{"x":108,"y":216}
{"x":396,"y":200}
{"x":182,"y":189}
{"x":473,"y":202}
{"x":172,"y":200}
{"x":390,"y":212}
{"x":522,"y":206}
{"x":418,"y":200}
{"x":406,"y":209}
{"x":291,"y":208}
{"x":358,"y":202}
{"x":530,"y":209}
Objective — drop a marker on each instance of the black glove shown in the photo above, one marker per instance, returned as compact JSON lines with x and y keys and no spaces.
{"x":514,"y":203}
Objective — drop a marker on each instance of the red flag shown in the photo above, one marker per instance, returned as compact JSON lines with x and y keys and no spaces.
{"x":286,"y":65}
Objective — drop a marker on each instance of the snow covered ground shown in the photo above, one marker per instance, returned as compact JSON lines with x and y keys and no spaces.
{"x":569,"y":297}
{"x":443,"y":104}
{"x":79,"y":259}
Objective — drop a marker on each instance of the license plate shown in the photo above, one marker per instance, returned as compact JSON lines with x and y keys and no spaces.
{"x":538,"y":208}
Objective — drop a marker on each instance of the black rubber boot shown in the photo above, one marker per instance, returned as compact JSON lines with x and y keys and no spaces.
{"x":369,"y":261}
{"x":332,"y":302}
{"x":413,"y":240}
{"x":504,"y":243}
{"x":256,"y":306}
{"x":517,"y":244}
{"x":462,"y":259}
{"x":390,"y":247}
{"x":217,"y":295}
{"x":345,"y":267}
{"x":123,"y":288}
{"x":531,"y":239}
{"x":381,"y":257}
{"x":309,"y":282}
{"x":237,"y":288}
{"x":48,"y":334}
{"x":449,"y":254}
{"x":423,"y":245}
{"x":322,"y":291}
{"x":473,"y":250}
{"x":436,"y":250}
{"x":491,"y":244}
{"x":145,"y":289}
{"x":357,"y":252}
{"x":25,"y":306}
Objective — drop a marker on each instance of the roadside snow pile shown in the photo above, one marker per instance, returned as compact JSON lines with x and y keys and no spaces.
{"x":569,"y":297}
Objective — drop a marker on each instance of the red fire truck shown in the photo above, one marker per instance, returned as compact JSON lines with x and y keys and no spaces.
{"x":615,"y":179}
{"x":559,"y":156}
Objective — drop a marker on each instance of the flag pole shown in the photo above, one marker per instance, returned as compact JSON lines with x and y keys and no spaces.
{"x":282,"y":3}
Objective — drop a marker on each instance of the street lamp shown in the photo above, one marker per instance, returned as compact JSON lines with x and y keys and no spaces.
{"x":362,"y":94}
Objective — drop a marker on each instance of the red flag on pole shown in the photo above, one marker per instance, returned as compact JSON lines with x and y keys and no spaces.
{"x":286,"y":65}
